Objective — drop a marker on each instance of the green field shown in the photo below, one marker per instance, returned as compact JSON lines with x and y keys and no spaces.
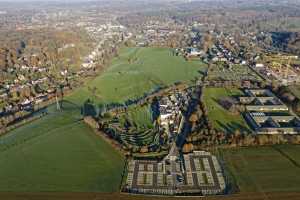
{"x":221,"y":118}
{"x":137,"y":71}
{"x":58,"y":153}
{"x":265,"y":169}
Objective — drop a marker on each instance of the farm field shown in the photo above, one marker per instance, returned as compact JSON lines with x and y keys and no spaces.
{"x":58,"y":153}
{"x":137,"y":71}
{"x":264,"y":169}
{"x":221,"y":118}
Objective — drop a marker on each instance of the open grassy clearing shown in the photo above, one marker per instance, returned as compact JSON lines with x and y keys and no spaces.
{"x":221,"y":118}
{"x":58,"y":153}
{"x":137,"y":71}
{"x":264,"y":169}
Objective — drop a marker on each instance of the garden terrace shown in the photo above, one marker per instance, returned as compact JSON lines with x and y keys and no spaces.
{"x":134,"y":127}
{"x":139,"y":138}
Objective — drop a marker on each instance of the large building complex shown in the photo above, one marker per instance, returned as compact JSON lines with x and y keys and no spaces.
{"x":195,"y":173}
{"x":267,"y":114}
{"x":262,"y":101}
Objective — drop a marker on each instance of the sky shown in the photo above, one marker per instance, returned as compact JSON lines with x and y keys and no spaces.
{"x":49,"y":0}
{"x":40,"y":0}
{"x":68,"y":0}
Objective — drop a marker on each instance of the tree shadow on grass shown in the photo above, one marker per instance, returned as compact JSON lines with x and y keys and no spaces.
{"x":70,"y":105}
{"x":202,"y":73}
{"x":217,"y":101}
{"x":230,"y":128}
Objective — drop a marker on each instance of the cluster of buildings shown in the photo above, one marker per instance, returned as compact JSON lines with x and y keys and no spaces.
{"x":157,"y":33}
{"x":229,"y":50}
{"x":25,"y":103}
{"x":26,"y":88}
{"x":285,"y":73}
{"x":267,"y":114}
{"x":190,"y":52}
{"x":196,"y":173}
{"x":171,"y":116}
{"x":222,"y":54}
{"x":28,"y":84}
{"x":102,"y":33}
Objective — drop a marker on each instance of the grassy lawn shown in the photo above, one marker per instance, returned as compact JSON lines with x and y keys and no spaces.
{"x":264,"y":169}
{"x":58,"y":153}
{"x":221,"y":118}
{"x":137,"y":71}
